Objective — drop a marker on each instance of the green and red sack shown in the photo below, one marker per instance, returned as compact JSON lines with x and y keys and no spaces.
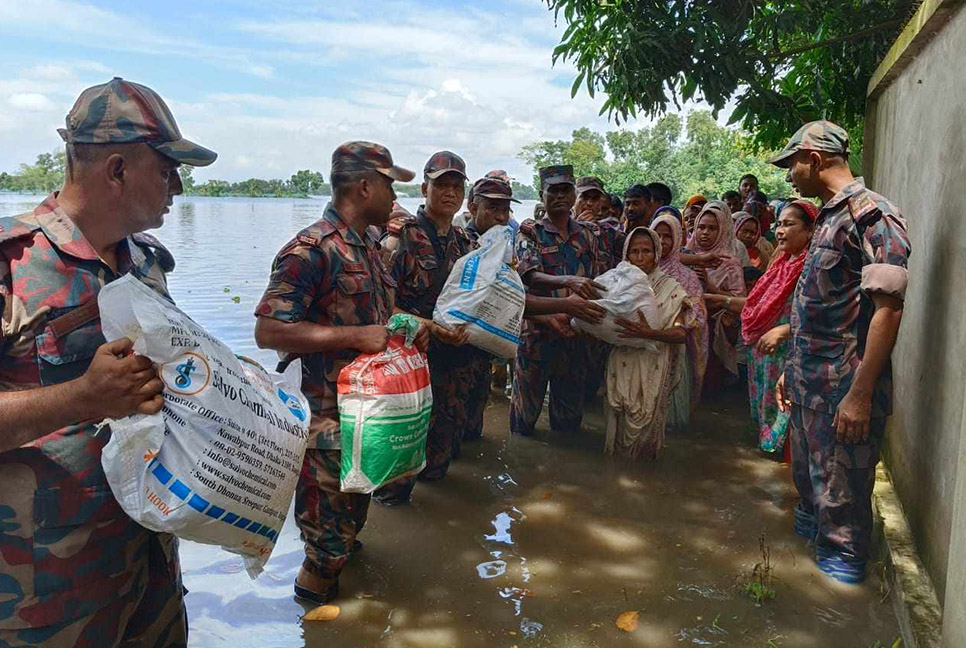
{"x":385,"y":401}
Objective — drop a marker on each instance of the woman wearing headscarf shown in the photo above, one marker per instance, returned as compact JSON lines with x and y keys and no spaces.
{"x":691,"y":210}
{"x":748,"y":233}
{"x":639,"y":380}
{"x":764,"y":214}
{"x":765,"y":326}
{"x":714,"y":234}
{"x":687,"y":390}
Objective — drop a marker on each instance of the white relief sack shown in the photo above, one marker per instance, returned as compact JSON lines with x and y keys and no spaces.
{"x":485,"y":294}
{"x":628,"y":291}
{"x":220,"y":462}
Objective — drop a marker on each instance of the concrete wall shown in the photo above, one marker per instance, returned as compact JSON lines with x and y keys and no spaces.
{"x":916,"y":156}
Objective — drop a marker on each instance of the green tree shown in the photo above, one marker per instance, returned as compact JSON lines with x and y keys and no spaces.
{"x":306,"y":182}
{"x":784,"y":62}
{"x":187,"y":181}
{"x":692,"y":155}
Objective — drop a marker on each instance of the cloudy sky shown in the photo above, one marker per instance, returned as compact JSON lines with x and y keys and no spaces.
{"x":274,"y":87}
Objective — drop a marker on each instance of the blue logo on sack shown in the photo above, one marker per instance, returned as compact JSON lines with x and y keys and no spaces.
{"x":292,"y":403}
{"x":184,"y":373}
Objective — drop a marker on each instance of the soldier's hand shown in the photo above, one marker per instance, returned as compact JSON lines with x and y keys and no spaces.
{"x":584,"y":287}
{"x":852,"y":418}
{"x":783,"y":403}
{"x":119,"y":383}
{"x":456,"y":336}
{"x":587,"y":216}
{"x":584,"y":310}
{"x":559,"y":324}
{"x":372,"y":338}
{"x":422,"y":337}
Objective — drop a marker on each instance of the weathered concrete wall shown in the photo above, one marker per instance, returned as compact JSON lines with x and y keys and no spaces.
{"x":916,"y":156}
{"x":954,"y":622}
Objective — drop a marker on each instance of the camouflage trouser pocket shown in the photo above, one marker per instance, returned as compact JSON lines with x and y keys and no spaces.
{"x":81,"y":538}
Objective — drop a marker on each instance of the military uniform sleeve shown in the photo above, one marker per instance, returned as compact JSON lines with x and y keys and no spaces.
{"x":296,"y":280}
{"x":5,"y":289}
{"x":888,"y":244}
{"x":528,"y":256}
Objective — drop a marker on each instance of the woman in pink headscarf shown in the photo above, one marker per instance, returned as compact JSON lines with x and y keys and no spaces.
{"x":687,"y":392}
{"x":714,"y":234}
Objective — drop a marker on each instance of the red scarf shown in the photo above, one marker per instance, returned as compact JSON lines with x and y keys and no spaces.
{"x":767,"y":299}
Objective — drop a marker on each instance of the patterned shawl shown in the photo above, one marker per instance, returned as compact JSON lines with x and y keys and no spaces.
{"x":727,"y":277}
{"x":697,"y":344}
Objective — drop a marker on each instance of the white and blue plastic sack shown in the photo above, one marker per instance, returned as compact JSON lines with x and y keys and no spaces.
{"x":484,"y":293}
{"x":220,"y":462}
{"x":628,"y":292}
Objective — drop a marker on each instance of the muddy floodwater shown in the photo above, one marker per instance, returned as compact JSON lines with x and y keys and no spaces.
{"x":528,"y":542}
{"x":544,"y":542}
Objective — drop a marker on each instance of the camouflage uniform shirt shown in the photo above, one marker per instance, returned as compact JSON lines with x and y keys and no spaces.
{"x":859,"y":248}
{"x":67,"y":550}
{"x":542,"y":247}
{"x":611,"y":243}
{"x":328,"y":275}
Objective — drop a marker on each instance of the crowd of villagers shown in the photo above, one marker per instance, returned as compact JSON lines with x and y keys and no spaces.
{"x":724,"y":273}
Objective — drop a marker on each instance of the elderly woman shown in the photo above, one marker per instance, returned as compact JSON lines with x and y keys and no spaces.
{"x":765,"y":324}
{"x":639,"y":381}
{"x":714,"y":234}
{"x":687,"y":390}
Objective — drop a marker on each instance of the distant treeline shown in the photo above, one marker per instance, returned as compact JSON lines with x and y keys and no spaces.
{"x":47,"y":174}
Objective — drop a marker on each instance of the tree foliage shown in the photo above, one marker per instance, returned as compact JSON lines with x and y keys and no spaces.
{"x":784,"y":62}
{"x":691,"y":155}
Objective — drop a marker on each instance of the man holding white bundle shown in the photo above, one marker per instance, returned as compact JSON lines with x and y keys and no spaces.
{"x":74,"y":569}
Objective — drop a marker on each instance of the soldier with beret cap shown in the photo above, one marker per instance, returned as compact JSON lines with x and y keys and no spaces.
{"x":328,"y":299}
{"x":75,"y":569}
{"x":421,"y":253}
{"x":557,"y":257}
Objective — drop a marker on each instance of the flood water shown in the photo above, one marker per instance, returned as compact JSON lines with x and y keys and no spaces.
{"x":528,"y":542}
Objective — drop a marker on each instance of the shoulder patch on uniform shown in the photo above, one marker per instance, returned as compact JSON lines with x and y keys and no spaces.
{"x":13,"y":227}
{"x":165,"y":258}
{"x":861,"y":205}
{"x":396,"y":225}
{"x":529,"y":227}
{"x":308,"y":239}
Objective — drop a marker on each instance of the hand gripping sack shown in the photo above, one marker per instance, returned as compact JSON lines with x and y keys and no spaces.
{"x":486,"y":294}
{"x":385,"y":400}
{"x":628,"y":291}
{"x":219,"y":463}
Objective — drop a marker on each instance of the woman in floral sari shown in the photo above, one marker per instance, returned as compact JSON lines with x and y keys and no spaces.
{"x":687,"y":391}
{"x":640,"y":380}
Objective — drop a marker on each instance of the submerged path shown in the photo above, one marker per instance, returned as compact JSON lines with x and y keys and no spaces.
{"x":544,"y":542}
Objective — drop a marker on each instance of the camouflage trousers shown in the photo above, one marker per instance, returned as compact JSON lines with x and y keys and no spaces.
{"x":328,"y":519}
{"x":543,"y":360}
{"x":597,"y":353}
{"x":148,"y":613}
{"x":835,"y":480}
{"x":460,"y":394}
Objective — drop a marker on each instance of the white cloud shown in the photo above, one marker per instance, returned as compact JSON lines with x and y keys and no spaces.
{"x":30,"y":101}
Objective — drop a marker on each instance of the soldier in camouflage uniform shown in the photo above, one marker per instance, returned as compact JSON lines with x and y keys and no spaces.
{"x":556,"y":255}
{"x":328,"y":299}
{"x":75,"y":570}
{"x":593,"y":206}
{"x":845,"y":318}
{"x":422,"y":251}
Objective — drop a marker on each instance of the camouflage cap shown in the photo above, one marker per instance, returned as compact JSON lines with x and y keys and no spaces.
{"x":590,"y":183}
{"x":122,"y":112}
{"x":493,"y":188}
{"x":353,"y":157}
{"x":499,"y":174}
{"x":444,"y":162}
{"x":819,"y":135}
{"x":557,"y":174}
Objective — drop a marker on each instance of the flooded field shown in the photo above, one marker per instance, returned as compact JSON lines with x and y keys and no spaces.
{"x":528,"y":542}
